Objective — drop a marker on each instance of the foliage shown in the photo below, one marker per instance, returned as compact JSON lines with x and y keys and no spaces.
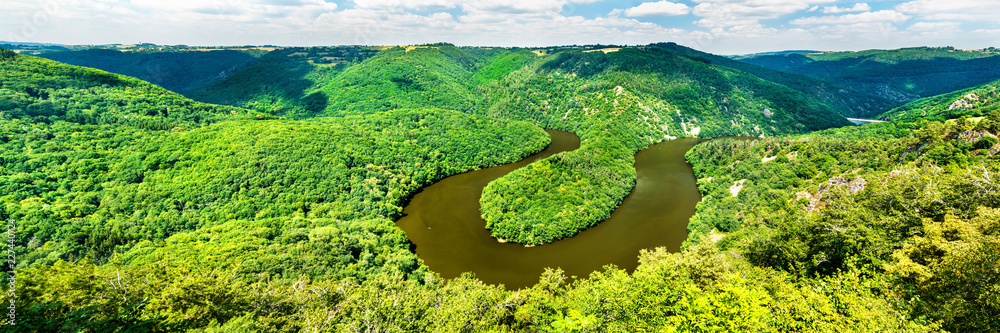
{"x":619,"y":103}
{"x":175,"y":71}
{"x":6,"y":54}
{"x":44,"y":92}
{"x":847,"y":101}
{"x":284,"y":82}
{"x":900,"y":75}
{"x":914,"y":211}
{"x":228,"y":222}
{"x":973,"y":102}
{"x":406,"y":77}
{"x":703,"y":289}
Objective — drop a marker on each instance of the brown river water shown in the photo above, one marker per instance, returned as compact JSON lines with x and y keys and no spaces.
{"x":444,"y":222}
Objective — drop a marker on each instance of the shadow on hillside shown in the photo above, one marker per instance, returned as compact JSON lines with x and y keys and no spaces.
{"x":276,"y":84}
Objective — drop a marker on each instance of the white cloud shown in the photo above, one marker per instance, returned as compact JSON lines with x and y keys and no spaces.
{"x":879,"y":16}
{"x":964,"y":10}
{"x":724,"y":26}
{"x":935,"y":26}
{"x":661,"y":8}
{"x":729,"y":13}
{"x":406,"y":4}
{"x":858,"y":7}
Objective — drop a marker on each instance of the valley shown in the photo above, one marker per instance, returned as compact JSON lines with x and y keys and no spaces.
{"x":443,"y":188}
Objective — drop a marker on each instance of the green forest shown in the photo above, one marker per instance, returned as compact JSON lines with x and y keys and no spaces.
{"x":901,"y":75}
{"x":138,"y":209}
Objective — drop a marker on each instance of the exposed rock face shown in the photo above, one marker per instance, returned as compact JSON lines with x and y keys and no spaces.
{"x":973,"y":136}
{"x":768,"y":113}
{"x":965,"y":102}
{"x":815,"y":200}
{"x":854,"y":186}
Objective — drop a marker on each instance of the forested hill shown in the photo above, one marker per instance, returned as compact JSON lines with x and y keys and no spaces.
{"x":230,"y":222}
{"x":618,"y":100}
{"x":973,"y":102}
{"x":847,"y":101}
{"x":285,"y":82}
{"x":910,"y":205}
{"x":178,"y":71}
{"x":900,"y":75}
{"x":44,"y":91}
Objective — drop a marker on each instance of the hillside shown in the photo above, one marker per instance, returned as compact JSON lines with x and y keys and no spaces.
{"x":138,"y":209}
{"x":912,"y":205}
{"x":178,"y":71}
{"x":899,"y":75}
{"x":972,"y":102}
{"x":618,"y":103}
{"x":242,"y":223}
{"x":284,"y":82}
{"x":848,"y":101}
{"x":47,"y":92}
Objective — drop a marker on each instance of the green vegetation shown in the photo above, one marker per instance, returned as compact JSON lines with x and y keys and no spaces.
{"x":406,"y":77}
{"x":900,"y":75}
{"x":46,"y":92}
{"x":175,"y":71}
{"x":847,"y":101}
{"x":973,"y":102}
{"x":119,"y":168}
{"x":284,"y":82}
{"x":912,"y":204}
{"x":700,"y":289}
{"x":140,"y":210}
{"x":6,"y":54}
{"x":619,"y":103}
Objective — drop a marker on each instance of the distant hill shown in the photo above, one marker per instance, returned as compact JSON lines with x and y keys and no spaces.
{"x":175,"y":71}
{"x":899,"y":75}
{"x":284,"y":82}
{"x":848,"y":101}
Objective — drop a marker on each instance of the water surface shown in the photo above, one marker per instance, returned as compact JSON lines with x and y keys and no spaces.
{"x":444,"y":222}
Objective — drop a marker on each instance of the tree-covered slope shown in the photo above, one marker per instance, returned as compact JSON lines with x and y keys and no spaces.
{"x":900,"y":75}
{"x":178,"y":71}
{"x":45,"y":91}
{"x":912,"y":204}
{"x":112,"y":164}
{"x":972,"y":102}
{"x":849,"y":102}
{"x":227,"y":223}
{"x":619,"y":103}
{"x":284,"y":82}
{"x":438,"y":75}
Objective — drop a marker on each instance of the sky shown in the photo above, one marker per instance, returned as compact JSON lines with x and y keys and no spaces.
{"x":717,"y":26}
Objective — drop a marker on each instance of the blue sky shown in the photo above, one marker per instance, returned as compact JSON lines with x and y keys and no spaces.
{"x":718,"y":26}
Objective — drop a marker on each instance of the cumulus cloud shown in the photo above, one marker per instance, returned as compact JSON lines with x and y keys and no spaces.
{"x":729,"y":13}
{"x":879,"y":16}
{"x":858,"y":7}
{"x":661,"y":8}
{"x":406,"y":4}
{"x":724,"y":26}
{"x":964,"y":10}
{"x":934,"y":26}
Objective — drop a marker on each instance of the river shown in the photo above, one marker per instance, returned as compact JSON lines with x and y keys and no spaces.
{"x":444,"y":222}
